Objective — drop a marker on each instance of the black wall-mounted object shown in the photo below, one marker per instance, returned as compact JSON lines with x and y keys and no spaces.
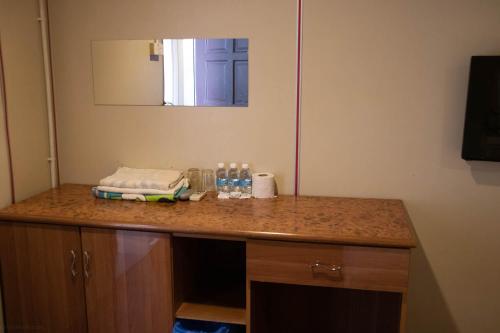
{"x":482,"y":119}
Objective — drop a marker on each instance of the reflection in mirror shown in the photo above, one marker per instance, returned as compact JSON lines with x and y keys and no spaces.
{"x":189,"y":72}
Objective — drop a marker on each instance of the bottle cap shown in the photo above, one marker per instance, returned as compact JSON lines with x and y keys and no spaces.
{"x":232,"y":165}
{"x":244,"y":166}
{"x":220,"y":165}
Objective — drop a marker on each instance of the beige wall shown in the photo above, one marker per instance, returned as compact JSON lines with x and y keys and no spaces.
{"x":123,"y":74}
{"x":5,"y":196}
{"x":94,"y":140}
{"x":384,"y":99}
{"x":24,"y":80}
{"x":384,"y":94}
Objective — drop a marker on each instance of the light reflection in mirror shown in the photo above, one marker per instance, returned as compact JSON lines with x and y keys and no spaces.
{"x":178,"y":69}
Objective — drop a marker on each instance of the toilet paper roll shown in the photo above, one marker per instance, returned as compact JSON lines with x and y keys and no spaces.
{"x":263,"y":185}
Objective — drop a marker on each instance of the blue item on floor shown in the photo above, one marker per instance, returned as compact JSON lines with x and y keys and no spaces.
{"x":189,"y":326}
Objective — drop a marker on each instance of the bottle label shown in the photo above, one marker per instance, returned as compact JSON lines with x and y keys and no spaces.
{"x":221,"y":182}
{"x":234,"y":182}
{"x":246,"y":182}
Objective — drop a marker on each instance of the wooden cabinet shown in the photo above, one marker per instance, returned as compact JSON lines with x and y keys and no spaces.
{"x":63,"y":279}
{"x":210,"y":280}
{"x":287,"y":265}
{"x":355,"y":267}
{"x":79,"y":279}
{"x":291,"y":308}
{"x":128,"y":281}
{"x":299,"y":287}
{"x":41,"y":278}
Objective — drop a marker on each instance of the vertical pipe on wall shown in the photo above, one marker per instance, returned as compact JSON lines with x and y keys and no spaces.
{"x":298,"y":92}
{"x":48,"y":90}
{"x":3,"y":97}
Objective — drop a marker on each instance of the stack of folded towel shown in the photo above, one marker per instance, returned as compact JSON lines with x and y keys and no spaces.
{"x":142,"y":185}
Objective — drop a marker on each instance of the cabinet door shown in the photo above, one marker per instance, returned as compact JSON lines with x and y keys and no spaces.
{"x":128,"y":283}
{"x":41,"y":277}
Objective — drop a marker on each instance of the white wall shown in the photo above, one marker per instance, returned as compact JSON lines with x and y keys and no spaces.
{"x":95,"y":140}
{"x":383,"y":107}
{"x":25,"y":86}
{"x":384,"y":96}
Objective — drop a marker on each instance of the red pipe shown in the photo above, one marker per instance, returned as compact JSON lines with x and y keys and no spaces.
{"x":7,"y":134}
{"x":298,"y":92}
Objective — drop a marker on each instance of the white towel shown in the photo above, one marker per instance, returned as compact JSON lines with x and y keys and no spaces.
{"x":126,"y":190}
{"x":143,"y":179}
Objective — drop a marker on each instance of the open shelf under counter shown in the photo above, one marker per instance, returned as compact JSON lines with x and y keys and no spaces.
{"x":215,"y":313}
{"x":210,"y":280}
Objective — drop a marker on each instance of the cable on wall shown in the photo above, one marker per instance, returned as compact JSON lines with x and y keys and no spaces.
{"x":299,"y":97}
{"x":3,"y":94}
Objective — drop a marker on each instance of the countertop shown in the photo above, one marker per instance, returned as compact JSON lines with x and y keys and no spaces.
{"x":352,"y":221}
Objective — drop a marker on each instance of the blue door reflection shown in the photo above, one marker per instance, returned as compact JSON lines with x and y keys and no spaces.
{"x":205,"y":72}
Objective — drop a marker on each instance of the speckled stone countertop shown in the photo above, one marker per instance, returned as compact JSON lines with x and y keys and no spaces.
{"x":370,"y":222}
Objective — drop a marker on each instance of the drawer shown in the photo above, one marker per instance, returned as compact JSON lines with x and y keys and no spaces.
{"x":355,"y":267}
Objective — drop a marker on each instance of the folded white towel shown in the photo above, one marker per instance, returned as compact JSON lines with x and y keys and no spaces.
{"x":125,"y":190}
{"x":143,"y":179}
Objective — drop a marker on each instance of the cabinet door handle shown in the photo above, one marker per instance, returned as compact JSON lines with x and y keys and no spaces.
{"x":73,"y":263}
{"x":319,"y":267}
{"x":86,"y":264}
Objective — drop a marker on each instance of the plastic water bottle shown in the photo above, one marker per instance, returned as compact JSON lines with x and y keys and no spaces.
{"x":221,"y":180}
{"x":245,"y":179}
{"x":233,"y":180}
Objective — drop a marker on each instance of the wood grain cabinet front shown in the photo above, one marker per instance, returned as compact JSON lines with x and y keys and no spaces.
{"x":69,"y":279}
{"x":317,"y":282}
{"x":42,"y":283}
{"x":127,"y":281}
{"x":354,"y":267}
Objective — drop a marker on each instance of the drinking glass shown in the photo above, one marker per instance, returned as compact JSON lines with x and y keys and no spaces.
{"x":208,"y":180}
{"x":194,"y":176}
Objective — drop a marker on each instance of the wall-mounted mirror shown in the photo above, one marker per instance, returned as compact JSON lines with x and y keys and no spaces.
{"x":180,"y":72}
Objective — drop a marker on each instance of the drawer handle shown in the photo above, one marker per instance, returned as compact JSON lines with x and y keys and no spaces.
{"x":319,"y":267}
